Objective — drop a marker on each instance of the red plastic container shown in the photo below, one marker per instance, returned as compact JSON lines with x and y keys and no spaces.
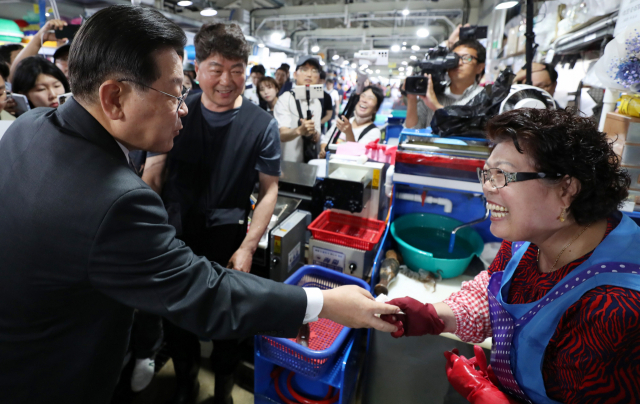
{"x":347,"y":230}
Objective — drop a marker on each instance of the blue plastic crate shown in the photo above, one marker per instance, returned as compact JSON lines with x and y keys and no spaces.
{"x":306,"y":361}
{"x":343,"y":376}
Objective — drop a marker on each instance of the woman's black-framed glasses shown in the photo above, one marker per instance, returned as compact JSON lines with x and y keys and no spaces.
{"x":185,"y":92}
{"x":500,"y":178}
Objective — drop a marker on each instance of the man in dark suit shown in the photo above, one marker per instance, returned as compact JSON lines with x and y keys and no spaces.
{"x":85,"y":240}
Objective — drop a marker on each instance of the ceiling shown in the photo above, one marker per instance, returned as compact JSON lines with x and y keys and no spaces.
{"x":336,"y":27}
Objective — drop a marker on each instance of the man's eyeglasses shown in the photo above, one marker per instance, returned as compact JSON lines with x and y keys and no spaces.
{"x":466,"y":59}
{"x":500,"y":178}
{"x":309,"y":71}
{"x":185,"y":92}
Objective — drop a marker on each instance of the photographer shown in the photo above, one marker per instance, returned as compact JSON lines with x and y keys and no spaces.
{"x":291,"y":117}
{"x":462,"y":88}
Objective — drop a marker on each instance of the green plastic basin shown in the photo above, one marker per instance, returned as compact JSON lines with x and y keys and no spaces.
{"x":423,"y":240}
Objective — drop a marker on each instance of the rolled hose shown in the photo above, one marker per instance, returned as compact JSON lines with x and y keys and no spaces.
{"x":275,"y":375}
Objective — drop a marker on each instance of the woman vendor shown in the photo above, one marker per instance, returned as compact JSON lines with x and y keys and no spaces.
{"x":563,"y":307}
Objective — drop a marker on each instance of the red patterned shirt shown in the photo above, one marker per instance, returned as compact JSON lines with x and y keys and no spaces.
{"x":594,"y":354}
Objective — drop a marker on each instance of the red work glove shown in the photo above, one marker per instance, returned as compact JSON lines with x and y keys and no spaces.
{"x":473,"y":384}
{"x":418,"y":319}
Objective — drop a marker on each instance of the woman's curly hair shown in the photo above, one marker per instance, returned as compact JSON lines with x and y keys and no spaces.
{"x":560,"y":142}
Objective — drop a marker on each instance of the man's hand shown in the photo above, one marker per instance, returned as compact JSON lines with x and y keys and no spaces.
{"x":307,"y":127}
{"x":455,"y":36}
{"x":10,"y":106}
{"x":521,"y":76}
{"x":431,"y":100}
{"x":241,"y":260}
{"x":51,"y":25}
{"x":354,"y":307}
{"x":344,"y":126}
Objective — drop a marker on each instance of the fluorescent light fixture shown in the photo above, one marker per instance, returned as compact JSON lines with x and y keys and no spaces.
{"x":315,"y":48}
{"x":400,"y":69}
{"x":404,"y":62}
{"x":369,"y":71}
{"x":47,"y":14}
{"x":395,"y":48}
{"x":322,"y":63}
{"x":335,"y":57}
{"x":404,"y":43}
{"x":364,"y":67}
{"x":405,"y":12}
{"x":208,"y":12}
{"x":276,"y":37}
{"x":260,"y":45}
{"x":423,"y":33}
{"x":377,"y":71}
{"x":404,"y":48}
{"x":415,"y":48}
{"x":413,"y":57}
{"x":185,"y":3}
{"x":353,"y":65}
{"x":506,"y":4}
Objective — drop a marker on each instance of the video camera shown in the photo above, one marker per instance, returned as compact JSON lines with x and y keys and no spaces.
{"x":436,"y":63}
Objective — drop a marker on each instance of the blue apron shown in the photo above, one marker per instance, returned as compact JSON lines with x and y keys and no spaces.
{"x":521,"y":332}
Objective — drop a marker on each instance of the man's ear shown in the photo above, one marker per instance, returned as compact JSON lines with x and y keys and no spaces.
{"x":111,"y":93}
{"x":197,"y":67}
{"x":480,"y":68}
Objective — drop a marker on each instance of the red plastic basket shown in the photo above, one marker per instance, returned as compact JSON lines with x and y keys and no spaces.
{"x":351,"y":231}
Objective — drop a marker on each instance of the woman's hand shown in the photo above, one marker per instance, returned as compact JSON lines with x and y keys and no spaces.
{"x":344,"y":126}
{"x":51,"y":25}
{"x":322,"y":153}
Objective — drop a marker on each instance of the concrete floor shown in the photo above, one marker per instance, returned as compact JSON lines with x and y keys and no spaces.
{"x":161,"y":388}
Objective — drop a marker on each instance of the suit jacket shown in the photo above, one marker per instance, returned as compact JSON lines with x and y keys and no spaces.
{"x":83,"y":241}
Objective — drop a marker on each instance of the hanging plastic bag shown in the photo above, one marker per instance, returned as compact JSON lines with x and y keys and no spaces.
{"x":469,"y":120}
{"x":619,"y":67}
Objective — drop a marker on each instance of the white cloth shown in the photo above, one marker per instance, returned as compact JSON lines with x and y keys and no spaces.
{"x":373,"y":134}
{"x":251,"y":94}
{"x":286,"y":113}
{"x":315,"y":299}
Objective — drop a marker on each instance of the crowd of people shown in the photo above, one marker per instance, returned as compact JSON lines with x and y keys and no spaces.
{"x":140,"y":185}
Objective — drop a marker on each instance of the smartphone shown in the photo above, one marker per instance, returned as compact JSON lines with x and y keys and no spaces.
{"x":62,"y":98}
{"x":68,"y":31}
{"x":22,"y":103}
{"x":315,"y":92}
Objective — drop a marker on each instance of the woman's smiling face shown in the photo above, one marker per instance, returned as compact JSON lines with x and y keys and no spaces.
{"x":521,"y":211}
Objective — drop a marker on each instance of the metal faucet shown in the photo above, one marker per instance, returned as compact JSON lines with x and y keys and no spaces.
{"x":452,"y":239}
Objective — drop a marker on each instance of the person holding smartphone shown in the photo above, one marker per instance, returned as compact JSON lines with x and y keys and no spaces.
{"x":46,"y":33}
{"x":40,"y":81}
{"x":4,"y":97}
